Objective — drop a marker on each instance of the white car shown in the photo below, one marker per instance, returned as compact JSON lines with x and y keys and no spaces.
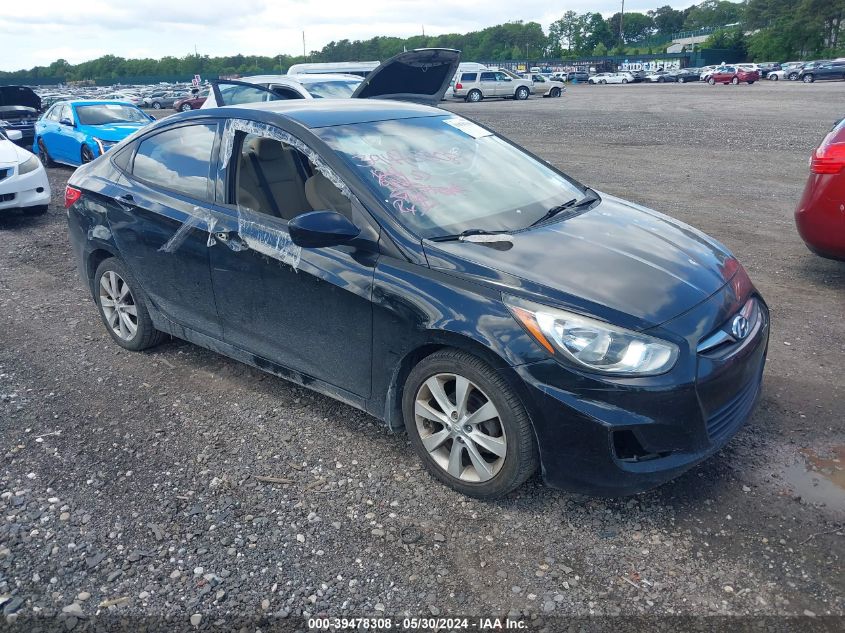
{"x":23,"y":180}
{"x":777,"y":75}
{"x":253,"y":89}
{"x":601,"y":78}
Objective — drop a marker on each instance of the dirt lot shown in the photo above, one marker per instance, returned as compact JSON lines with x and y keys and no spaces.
{"x":133,"y":477}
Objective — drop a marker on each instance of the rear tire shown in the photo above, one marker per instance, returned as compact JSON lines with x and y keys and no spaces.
{"x":735,"y":81}
{"x":793,"y":76}
{"x":123,"y":307}
{"x":156,"y":105}
{"x":808,"y":79}
{"x":186,"y":107}
{"x":457,"y":443}
{"x":711,"y":81}
{"x":624,"y":81}
{"x":474,"y":96}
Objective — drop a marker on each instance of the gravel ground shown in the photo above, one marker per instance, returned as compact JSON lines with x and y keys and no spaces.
{"x":185,"y":490}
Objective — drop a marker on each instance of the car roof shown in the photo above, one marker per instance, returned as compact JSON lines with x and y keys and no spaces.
{"x":316,"y":113}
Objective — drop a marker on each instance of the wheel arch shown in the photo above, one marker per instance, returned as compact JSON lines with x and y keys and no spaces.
{"x":442,"y":340}
{"x":93,"y":261}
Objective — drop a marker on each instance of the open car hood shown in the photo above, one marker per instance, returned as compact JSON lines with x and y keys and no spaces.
{"x":19,"y":96}
{"x":421,"y":75}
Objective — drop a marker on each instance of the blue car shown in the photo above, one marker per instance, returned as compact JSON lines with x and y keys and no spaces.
{"x":76,"y":132}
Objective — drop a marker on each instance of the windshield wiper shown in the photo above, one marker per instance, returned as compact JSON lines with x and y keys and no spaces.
{"x":469,"y":234}
{"x":576,"y":204}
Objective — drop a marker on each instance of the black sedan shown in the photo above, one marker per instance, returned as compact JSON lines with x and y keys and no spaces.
{"x":685,"y":75}
{"x":416,"y":265}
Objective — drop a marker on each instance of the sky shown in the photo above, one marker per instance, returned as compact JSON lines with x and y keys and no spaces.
{"x":46,"y":30}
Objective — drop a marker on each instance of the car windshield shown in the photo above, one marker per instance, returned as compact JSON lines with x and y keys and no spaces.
{"x":443,"y":175}
{"x":332,"y":88}
{"x":108,"y":113}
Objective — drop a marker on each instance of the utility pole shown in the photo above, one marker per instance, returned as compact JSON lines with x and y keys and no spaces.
{"x":280,"y":64}
{"x":303,"y":45}
{"x":621,"y":17}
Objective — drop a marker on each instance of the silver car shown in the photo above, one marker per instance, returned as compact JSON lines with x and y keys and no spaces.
{"x":477,"y":85}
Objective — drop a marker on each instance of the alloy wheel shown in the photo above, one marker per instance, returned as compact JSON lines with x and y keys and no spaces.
{"x":460,"y":428}
{"x":118,"y":305}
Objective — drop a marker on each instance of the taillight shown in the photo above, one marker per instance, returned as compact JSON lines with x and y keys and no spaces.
{"x":829,"y":158}
{"x":459,"y":87}
{"x":71,"y":195}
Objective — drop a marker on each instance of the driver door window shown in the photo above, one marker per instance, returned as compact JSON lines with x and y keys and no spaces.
{"x":276,"y":179}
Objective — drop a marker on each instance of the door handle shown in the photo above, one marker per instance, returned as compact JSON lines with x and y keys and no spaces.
{"x":223,"y":236}
{"x":127,"y":197}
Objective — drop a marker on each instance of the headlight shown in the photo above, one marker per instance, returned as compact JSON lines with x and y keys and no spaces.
{"x":592,"y":344}
{"x":104,"y":145}
{"x":30,"y":164}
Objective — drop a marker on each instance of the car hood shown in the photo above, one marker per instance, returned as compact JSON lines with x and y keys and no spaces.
{"x":11,"y":154}
{"x":112,"y":132}
{"x":640,"y":265}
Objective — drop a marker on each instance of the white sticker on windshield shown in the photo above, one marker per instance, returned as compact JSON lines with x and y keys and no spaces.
{"x":468,"y":127}
{"x":112,"y":106}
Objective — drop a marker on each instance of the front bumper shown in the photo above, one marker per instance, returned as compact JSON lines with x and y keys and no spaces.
{"x":623,"y":436}
{"x":29,"y":190}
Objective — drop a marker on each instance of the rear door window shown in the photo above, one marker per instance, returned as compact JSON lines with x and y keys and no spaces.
{"x":488,"y":76}
{"x":178,"y":159}
{"x":468,"y":77}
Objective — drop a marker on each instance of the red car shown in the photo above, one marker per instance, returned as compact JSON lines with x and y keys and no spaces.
{"x":820,"y":215}
{"x":732,"y":75}
{"x":190,"y":103}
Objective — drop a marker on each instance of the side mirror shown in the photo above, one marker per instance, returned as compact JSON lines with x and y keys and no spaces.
{"x":317,"y":229}
{"x":66,"y":121}
{"x":14,"y":135}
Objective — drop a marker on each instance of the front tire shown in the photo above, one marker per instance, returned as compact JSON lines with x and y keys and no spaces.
{"x":474,"y":96}
{"x":156,"y":105}
{"x":468,"y":426}
{"x":123,"y":308}
{"x":808,"y":79}
{"x":773,"y":77}
{"x":186,"y":107}
{"x":555,"y":92}
{"x":793,"y":76}
{"x":711,"y":81}
{"x":44,"y":155}
{"x":624,"y":81}
{"x":735,"y":81}
{"x":86,"y":155}
{"x":522,"y":93}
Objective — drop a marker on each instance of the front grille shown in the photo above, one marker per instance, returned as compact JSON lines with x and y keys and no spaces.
{"x":7,"y":197}
{"x":726,"y":420}
{"x":5,"y":173}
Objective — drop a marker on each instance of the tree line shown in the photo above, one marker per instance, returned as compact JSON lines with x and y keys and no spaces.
{"x":759,"y":30}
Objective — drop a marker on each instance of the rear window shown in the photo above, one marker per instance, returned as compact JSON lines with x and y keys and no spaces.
{"x":469,"y":77}
{"x":488,"y":77}
{"x":178,"y":159}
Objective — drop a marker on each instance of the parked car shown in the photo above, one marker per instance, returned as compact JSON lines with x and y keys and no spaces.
{"x":166,"y":100}
{"x":382,"y":259}
{"x":612,"y":78}
{"x":733,"y":75}
{"x":127,"y":97}
{"x":706,"y":71}
{"x":822,"y":72}
{"x":250,"y":89}
{"x":578,"y":76}
{"x":819,"y":216}
{"x":660,"y":76}
{"x":685,"y":75}
{"x":192,"y":102}
{"x":776,"y":75}
{"x":795,"y":72}
{"x":20,"y":107}
{"x":546,"y":87}
{"x":478,"y":85}
{"x":23,"y":181}
{"x":76,"y":132}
